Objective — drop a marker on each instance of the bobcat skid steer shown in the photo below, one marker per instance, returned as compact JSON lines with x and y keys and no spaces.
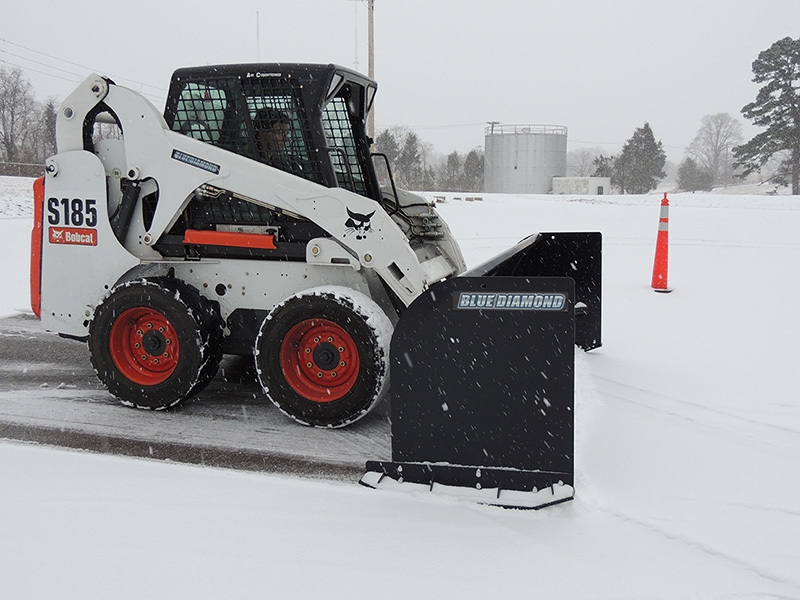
{"x":249,"y":219}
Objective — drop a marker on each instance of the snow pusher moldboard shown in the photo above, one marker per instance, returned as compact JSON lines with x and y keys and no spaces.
{"x":251,"y":218}
{"x":483,"y":376}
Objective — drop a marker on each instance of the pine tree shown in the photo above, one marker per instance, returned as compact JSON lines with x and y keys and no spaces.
{"x":385,"y":143}
{"x":603,"y":166}
{"x":777,"y":108}
{"x":46,"y":131}
{"x":640,"y":166}
{"x":692,"y":177}
{"x":409,"y":163}
{"x":452,"y":175}
{"x":473,"y":171}
{"x":428,"y":179}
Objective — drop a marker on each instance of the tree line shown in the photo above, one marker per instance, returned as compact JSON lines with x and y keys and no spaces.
{"x":716,"y":156}
{"x":28,"y":135}
{"x":415,"y":167}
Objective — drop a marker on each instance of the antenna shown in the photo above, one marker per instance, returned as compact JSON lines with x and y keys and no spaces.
{"x":355,"y":60}
{"x":371,"y":117}
{"x":355,"y":38}
{"x":258,"y":37}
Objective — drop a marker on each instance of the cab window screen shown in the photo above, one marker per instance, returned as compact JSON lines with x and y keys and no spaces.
{"x":281,"y":129}
{"x":201,"y":112}
{"x":342,"y":146}
{"x":234,"y":114}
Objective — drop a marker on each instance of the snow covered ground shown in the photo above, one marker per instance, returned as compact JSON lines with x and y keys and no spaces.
{"x":687,"y":445}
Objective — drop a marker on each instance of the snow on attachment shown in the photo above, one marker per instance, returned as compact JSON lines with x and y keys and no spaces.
{"x":533,"y":498}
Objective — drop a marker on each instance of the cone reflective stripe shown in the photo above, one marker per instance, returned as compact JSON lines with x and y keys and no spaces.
{"x":662,"y":250}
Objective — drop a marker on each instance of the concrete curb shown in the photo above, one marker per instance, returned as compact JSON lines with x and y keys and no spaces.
{"x":211,"y":456}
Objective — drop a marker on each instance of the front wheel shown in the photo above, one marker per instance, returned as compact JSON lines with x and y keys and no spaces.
{"x":322,"y":356}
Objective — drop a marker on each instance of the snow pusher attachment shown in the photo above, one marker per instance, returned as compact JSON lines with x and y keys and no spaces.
{"x":482,"y":373}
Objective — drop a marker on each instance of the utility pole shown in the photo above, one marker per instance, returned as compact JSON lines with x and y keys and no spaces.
{"x":371,"y":51}
{"x":371,"y":73}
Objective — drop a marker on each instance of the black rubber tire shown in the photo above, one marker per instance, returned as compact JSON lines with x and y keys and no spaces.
{"x":369,"y":331}
{"x":212,"y":328}
{"x":165,"y":300}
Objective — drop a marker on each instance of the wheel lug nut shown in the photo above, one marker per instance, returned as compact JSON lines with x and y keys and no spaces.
{"x":149,"y":325}
{"x":333,"y":373}
{"x":155,"y":360}
{"x":144,"y":357}
{"x":330,"y":339}
{"x":139,"y":332}
{"x":341,"y":364}
{"x":161,"y":329}
{"x":309,"y":365}
{"x":319,"y":374}
{"x":341,"y":349}
{"x":316,"y":340}
{"x":137,"y":345}
{"x":308,"y":350}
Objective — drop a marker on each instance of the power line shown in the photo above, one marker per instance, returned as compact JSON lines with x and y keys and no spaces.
{"x":74,"y":64}
{"x":620,"y":144}
{"x":597,"y":143}
{"x":73,"y":81}
{"x":7,"y":62}
{"x":36,"y":62}
{"x":70,"y":80}
{"x":454,"y":126}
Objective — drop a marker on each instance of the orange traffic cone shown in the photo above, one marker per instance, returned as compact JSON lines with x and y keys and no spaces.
{"x":662,"y":249}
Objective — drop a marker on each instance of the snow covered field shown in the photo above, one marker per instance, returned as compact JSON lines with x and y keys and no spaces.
{"x":687,"y":445}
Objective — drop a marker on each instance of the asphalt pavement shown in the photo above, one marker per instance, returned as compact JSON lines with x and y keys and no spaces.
{"x":49,"y":394}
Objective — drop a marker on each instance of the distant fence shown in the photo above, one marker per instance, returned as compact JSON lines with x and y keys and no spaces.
{"x":21,"y":170}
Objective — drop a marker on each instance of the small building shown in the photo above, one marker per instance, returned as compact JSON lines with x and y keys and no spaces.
{"x":592,"y":186}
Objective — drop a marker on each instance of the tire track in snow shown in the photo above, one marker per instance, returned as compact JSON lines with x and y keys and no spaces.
{"x":770,"y":509}
{"x":729,"y":244}
{"x":703,"y":547}
{"x":687,"y":404}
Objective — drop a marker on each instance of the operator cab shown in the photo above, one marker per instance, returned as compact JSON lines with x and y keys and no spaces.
{"x":308,"y":120}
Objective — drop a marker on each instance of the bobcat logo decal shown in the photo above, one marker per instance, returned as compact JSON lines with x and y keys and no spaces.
{"x":358,"y":224}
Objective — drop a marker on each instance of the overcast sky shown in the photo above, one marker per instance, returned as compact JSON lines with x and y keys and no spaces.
{"x":444,"y":68}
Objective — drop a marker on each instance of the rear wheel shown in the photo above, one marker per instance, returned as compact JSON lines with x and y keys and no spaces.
{"x":322,"y":356}
{"x":149,"y":343}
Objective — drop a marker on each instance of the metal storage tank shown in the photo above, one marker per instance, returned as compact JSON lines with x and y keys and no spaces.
{"x":523,"y":159}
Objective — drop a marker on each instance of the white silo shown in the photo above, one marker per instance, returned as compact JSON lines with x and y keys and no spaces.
{"x":523,"y":159}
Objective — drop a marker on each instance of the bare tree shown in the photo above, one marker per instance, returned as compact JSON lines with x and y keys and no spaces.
{"x":713,"y":145}
{"x":580,"y":162}
{"x":18,"y":115}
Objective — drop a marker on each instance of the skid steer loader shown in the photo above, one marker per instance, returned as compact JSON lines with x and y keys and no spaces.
{"x":249,"y":219}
